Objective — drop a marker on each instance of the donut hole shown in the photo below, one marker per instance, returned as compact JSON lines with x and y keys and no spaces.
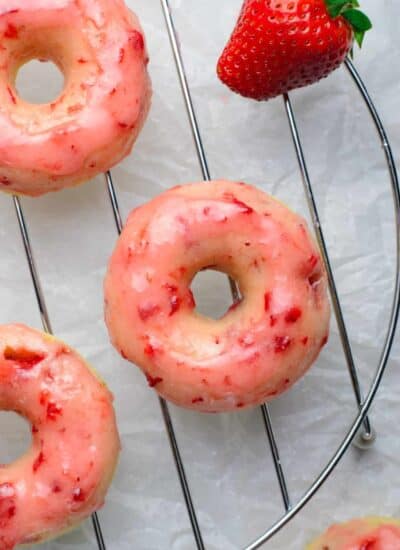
{"x":211,"y":293}
{"x":39,"y":82}
{"x":15,"y":436}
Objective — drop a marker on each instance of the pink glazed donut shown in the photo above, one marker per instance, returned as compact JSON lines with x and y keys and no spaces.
{"x":373,"y":533}
{"x":65,"y":475}
{"x":261,"y":346}
{"x":100,"y":47}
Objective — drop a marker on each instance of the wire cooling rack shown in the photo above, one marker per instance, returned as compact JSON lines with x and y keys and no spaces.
{"x":361,"y":431}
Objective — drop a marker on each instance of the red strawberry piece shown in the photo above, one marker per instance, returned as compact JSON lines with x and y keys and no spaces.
{"x":7,"y":504}
{"x":153,"y":381}
{"x":24,"y":357}
{"x":279,"y":45}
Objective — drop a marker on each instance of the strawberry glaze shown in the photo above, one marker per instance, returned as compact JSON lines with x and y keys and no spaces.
{"x":373,"y":533}
{"x":65,"y":475}
{"x":260,"y":347}
{"x":100,"y":47}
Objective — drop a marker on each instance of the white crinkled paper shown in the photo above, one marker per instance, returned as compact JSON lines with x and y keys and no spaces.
{"x":227,"y":458}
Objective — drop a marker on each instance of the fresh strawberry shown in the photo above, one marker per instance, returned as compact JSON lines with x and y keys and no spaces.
{"x":279,"y":45}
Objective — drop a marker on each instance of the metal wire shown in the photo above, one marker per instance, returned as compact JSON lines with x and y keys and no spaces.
{"x":44,"y":315}
{"x":114,"y":202}
{"x":98,"y":532}
{"x":182,"y":475}
{"x":164,"y":407}
{"x":276,"y":457}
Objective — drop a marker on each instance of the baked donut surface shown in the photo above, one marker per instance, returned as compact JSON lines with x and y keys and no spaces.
{"x":372,"y":533}
{"x":263,"y":344}
{"x":100,"y":48}
{"x":65,"y":474}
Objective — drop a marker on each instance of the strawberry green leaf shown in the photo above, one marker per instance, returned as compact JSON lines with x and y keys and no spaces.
{"x":337,"y":7}
{"x":358,"y":20}
{"x":360,"y":23}
{"x":359,"y":37}
{"x":349,"y":10}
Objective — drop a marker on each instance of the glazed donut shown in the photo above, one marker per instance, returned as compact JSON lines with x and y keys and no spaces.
{"x":375,"y":533}
{"x":261,"y":346}
{"x":100,"y":48}
{"x":65,"y":475}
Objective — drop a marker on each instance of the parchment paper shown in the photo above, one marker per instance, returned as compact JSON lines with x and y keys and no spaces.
{"x":227,"y":457}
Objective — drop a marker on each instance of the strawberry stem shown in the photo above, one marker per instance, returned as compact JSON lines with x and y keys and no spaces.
{"x":348,"y":9}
